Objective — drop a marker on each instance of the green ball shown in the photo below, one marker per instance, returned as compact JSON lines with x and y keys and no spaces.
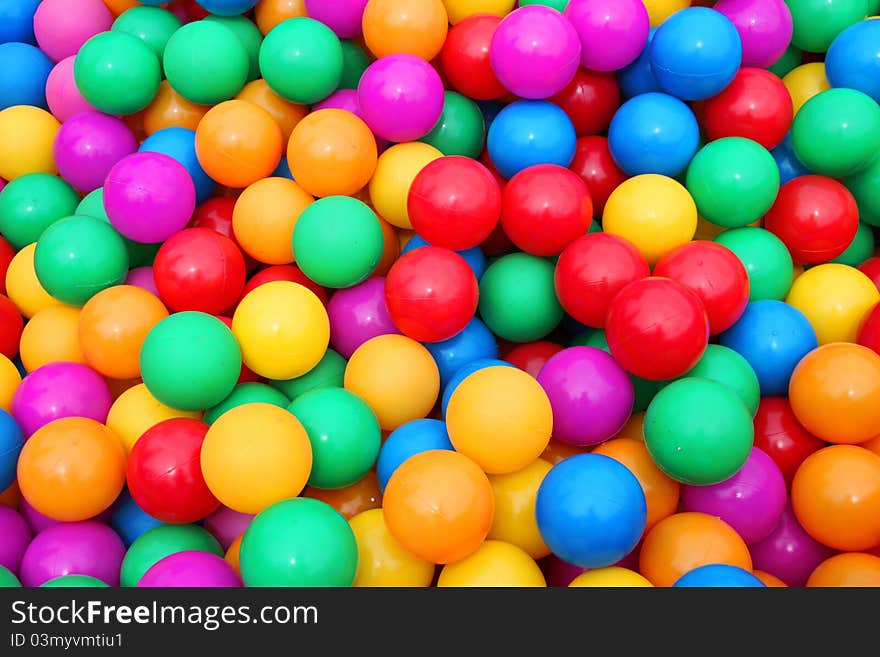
{"x":698,"y":431}
{"x":190,"y":361}
{"x":594,"y":227}
{"x":75,"y":581}
{"x":837,"y":132}
{"x":873,"y":7}
{"x":863,"y":185}
{"x":301,"y":60}
{"x":205,"y":62}
{"x":152,"y":25}
{"x":733,"y":181}
{"x":766,"y":259}
{"x":354,"y":63}
{"x":250,"y":37}
{"x":246,"y":393}
{"x":299,"y":542}
{"x":558,"y":5}
{"x":31,"y":203}
{"x":817,"y":22}
{"x":730,"y":369}
{"x":157,"y":543}
{"x":461,"y":129}
{"x":328,"y":373}
{"x":344,"y":434}
{"x":7,"y":579}
{"x":860,"y":249}
{"x":117,"y":73}
{"x":517,"y":298}
{"x":789,"y":61}
{"x":139,"y":254}
{"x":77,"y":257}
{"x":337,"y":241}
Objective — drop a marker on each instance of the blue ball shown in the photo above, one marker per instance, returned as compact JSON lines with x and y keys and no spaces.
{"x":530,"y":132}
{"x":129,"y":520}
{"x":638,"y":78}
{"x":853,"y":60}
{"x":773,"y":337}
{"x":11,"y":442}
{"x":17,"y":20}
{"x":591,"y":510}
{"x":718,"y":575}
{"x":474,"y":257}
{"x":227,"y":7}
{"x":180,"y":144}
{"x":475,"y":342}
{"x":653,"y":133}
{"x":695,"y":53}
{"x":786,"y":161}
{"x":283,"y":169}
{"x":24,"y":70}
{"x":464,"y":372}
{"x":408,"y":440}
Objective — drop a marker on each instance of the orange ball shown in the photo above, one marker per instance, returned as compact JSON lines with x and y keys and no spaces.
{"x":872,"y":445}
{"x":232,"y":554}
{"x":417,"y":27}
{"x":119,"y":6}
{"x":332,"y":153}
{"x":238,"y":143}
{"x":11,"y":496}
{"x":836,"y":497}
{"x":685,"y":541}
{"x":835,"y":393}
{"x":285,"y":113}
{"x":171,"y":110}
{"x":50,"y":336}
{"x":264,"y":216}
{"x":770,"y":581}
{"x":269,"y":13}
{"x":661,"y":492}
{"x":439,"y":506}
{"x":848,"y":569}
{"x":351,"y":500}
{"x":72,"y":469}
{"x":390,"y":248}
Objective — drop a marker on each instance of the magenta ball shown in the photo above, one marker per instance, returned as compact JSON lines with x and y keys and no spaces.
{"x":401,"y":97}
{"x":73,"y":548}
{"x":559,"y":573}
{"x":591,"y":395}
{"x":143,"y":278}
{"x":789,"y":552}
{"x":764,"y":26}
{"x":58,"y":390}
{"x":149,"y":197}
{"x":15,"y":536}
{"x":612,"y":33}
{"x":347,"y":100}
{"x":341,"y":16}
{"x":190,"y":569}
{"x":62,"y":94}
{"x":358,"y":314}
{"x":535,"y":52}
{"x":62,"y":26}
{"x":227,"y":525}
{"x":36,"y":520}
{"x":88,"y":145}
{"x":751,"y":501}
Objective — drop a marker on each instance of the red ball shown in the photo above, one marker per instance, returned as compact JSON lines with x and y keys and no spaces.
{"x":869,"y":329}
{"x":657,"y":329}
{"x":199,"y":269}
{"x":590,"y":101}
{"x":594,"y":164}
{"x":290,"y":273}
{"x":545,"y":208}
{"x":246,"y":375}
{"x":11,"y":326}
{"x":216,"y":214}
{"x":755,"y":105}
{"x":816,"y":217}
{"x":431,"y":294}
{"x":715,"y":274}
{"x":871,"y":269}
{"x":532,"y":356}
{"x":164,"y":472}
{"x":454,"y":202}
{"x":7,"y":253}
{"x":592,"y":270}
{"x":779,"y":434}
{"x":465,"y":58}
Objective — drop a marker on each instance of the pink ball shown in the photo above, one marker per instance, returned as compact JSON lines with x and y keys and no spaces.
{"x":88,"y":145}
{"x":751,"y":501}
{"x":35,"y":520}
{"x":358,"y":314}
{"x":401,"y":97}
{"x":59,"y":390}
{"x":535,"y":52}
{"x":142,"y":277}
{"x":16,"y":536}
{"x":764,"y":26}
{"x":613,"y":33}
{"x":149,"y":197}
{"x":193,"y":569}
{"x":62,"y":94}
{"x":73,"y":548}
{"x":227,"y":525}
{"x":62,"y":26}
{"x":341,"y":16}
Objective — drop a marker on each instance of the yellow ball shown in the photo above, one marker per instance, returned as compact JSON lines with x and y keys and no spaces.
{"x":653,"y":212}
{"x":52,"y":335}
{"x":395,"y":171}
{"x":501,"y":418}
{"x":514,"y":520}
{"x":396,"y":376}
{"x":660,"y":10}
{"x":282,"y":328}
{"x":834,"y":298}
{"x":458,"y":10}
{"x":9,"y":380}
{"x":382,"y":561}
{"x":22,"y":285}
{"x":26,"y":138}
{"x":136,"y":410}
{"x":255,"y":455}
{"x":804,"y":82}
{"x":495,"y":563}
{"x":613,"y":577}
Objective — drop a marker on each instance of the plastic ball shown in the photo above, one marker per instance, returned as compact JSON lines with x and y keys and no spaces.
{"x":465,"y":58}
{"x":329,"y":372}
{"x":395,"y":171}
{"x":474,"y":257}
{"x":180,"y":144}
{"x":494,"y":563}
{"x":227,"y":526}
{"x":860,"y":186}
{"x":24,"y":71}
{"x":11,"y":441}
{"x":460,"y":130}
{"x":26,"y":137}
{"x":73,"y":548}
{"x":247,"y":393}
{"x":22,"y":285}
{"x":804,"y":82}
{"x":416,"y":27}
{"x":142,"y":277}
{"x":764,"y":26}
{"x":51,"y":335}
{"x":596,"y":167}
{"x":460,"y":10}
{"x":357,"y":314}
{"x":611,"y":576}
{"x":718,"y":575}
{"x":88,"y":145}
{"x":612,"y":34}
{"x":360,"y":496}
{"x":860,"y":249}
{"x":474,"y":342}
{"x":10,"y":379}
{"x":157,"y":543}
{"x":788,"y":552}
{"x":731,"y":370}
{"x":851,"y":60}
{"x":77,"y":581}
{"x":191,"y":569}
{"x":286,"y":114}
{"x":129,"y":520}
{"x":152,"y":25}
{"x":59,"y":36}
{"x":8,"y":579}
{"x":382,"y":561}
{"x":171,"y":110}
{"x":32,"y":203}
{"x":529,"y":132}
{"x":248,"y":35}
{"x":766,"y":259}
{"x":590,"y":100}
{"x":18,"y":21}
{"x":17,"y":537}
{"x":779,"y":434}
{"x":514,"y":520}
{"x":466,"y":370}
{"x":62,"y":95}
{"x":264,"y":217}
{"x":852,"y":569}
{"x":817,"y":23}
{"x":406,"y":441}
{"x":135,"y":411}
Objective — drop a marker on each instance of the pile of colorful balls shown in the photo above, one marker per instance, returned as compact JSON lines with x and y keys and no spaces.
{"x":439,"y":293}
